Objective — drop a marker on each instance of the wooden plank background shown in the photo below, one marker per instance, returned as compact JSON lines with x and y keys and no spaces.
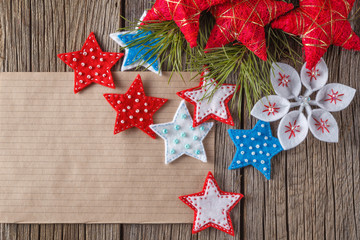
{"x":315,"y":188}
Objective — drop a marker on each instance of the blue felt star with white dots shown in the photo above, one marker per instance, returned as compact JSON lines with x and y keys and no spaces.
{"x":255,"y":147}
{"x":137,"y":55}
{"x":181,"y":137}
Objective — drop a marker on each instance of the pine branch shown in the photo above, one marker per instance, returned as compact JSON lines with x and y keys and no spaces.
{"x":175,"y":54}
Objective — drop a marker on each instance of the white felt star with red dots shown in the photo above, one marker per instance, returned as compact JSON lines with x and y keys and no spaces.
{"x":91,"y":64}
{"x":210,"y":100}
{"x":134,"y":108}
{"x":212,"y":206}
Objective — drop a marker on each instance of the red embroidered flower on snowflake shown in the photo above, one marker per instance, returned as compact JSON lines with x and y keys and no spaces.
{"x":313,"y":74}
{"x":134,"y":108}
{"x":334,"y":96}
{"x":323,"y":125}
{"x":292,"y":129}
{"x":91,"y":64}
{"x":212,"y":206}
{"x":271,"y":109}
{"x":284,"y":80}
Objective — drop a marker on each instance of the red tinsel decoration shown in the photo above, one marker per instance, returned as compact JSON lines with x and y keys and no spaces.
{"x":185,"y":13}
{"x":244,"y":21}
{"x":320,"y":23}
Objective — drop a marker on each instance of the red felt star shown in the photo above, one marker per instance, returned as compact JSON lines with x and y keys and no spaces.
{"x":185,"y":13}
{"x":320,"y":23}
{"x":91,"y":64}
{"x":215,"y":107}
{"x":244,"y":21}
{"x":134,"y":108}
{"x":212,"y":206}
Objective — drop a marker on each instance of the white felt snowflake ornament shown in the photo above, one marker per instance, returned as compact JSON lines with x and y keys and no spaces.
{"x":293,"y":127}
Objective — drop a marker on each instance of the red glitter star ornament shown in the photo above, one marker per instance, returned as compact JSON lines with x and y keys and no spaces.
{"x":91,"y":64}
{"x":185,"y":13}
{"x":134,"y":108}
{"x":320,"y":23}
{"x":244,"y":21}
{"x":212,"y":206}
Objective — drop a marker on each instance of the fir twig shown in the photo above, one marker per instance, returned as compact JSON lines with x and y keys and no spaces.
{"x":252,"y":74}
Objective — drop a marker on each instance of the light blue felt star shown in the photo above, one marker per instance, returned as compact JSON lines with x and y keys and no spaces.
{"x":181,"y":137}
{"x":255,"y":147}
{"x":138,"y":55}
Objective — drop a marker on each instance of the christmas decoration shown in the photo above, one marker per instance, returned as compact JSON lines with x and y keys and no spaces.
{"x":185,"y":13}
{"x":181,"y":137}
{"x":137,"y":54}
{"x":210,"y":100}
{"x":293,"y":127}
{"x":91,"y":64}
{"x":244,"y":21}
{"x":320,"y":23}
{"x":212,"y":206}
{"x":255,"y":147}
{"x":134,"y":108}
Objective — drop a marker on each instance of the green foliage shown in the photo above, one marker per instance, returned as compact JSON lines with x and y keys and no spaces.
{"x":231,"y":61}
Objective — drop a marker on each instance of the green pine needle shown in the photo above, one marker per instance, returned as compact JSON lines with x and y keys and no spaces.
{"x":252,"y":74}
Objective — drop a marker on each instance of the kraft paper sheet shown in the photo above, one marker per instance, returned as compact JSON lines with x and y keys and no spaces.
{"x":61,"y":163}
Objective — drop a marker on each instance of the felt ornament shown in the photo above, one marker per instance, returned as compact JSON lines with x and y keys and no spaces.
{"x":293,"y":127}
{"x":320,"y":23}
{"x":185,"y":13}
{"x":255,"y":147}
{"x":91,"y":64}
{"x":212,"y":207}
{"x":210,"y":100}
{"x":134,"y":108}
{"x":181,"y":137}
{"x":244,"y":21}
{"x":137,"y":55}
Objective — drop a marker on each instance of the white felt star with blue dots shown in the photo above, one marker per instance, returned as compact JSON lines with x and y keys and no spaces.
{"x":255,"y":147}
{"x":181,"y":137}
{"x":138,"y":55}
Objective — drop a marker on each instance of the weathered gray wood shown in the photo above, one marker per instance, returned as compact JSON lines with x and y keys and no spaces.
{"x":315,"y":188}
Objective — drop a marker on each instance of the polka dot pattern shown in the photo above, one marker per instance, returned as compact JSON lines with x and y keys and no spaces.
{"x":91,"y":64}
{"x":135,"y":109}
{"x":181,"y":138}
{"x":255,"y":147}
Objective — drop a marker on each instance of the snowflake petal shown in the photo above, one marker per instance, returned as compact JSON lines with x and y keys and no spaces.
{"x":335,"y":97}
{"x":323,"y":126}
{"x":285,"y":80}
{"x":315,"y":78}
{"x":292,"y":130}
{"x":270,"y":108}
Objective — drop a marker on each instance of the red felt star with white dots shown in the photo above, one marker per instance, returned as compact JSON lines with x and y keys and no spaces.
{"x":244,"y":21}
{"x":134,"y":108}
{"x":210,"y":101}
{"x":320,"y":23}
{"x":91,"y":64}
{"x":212,"y":206}
{"x":185,"y":13}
